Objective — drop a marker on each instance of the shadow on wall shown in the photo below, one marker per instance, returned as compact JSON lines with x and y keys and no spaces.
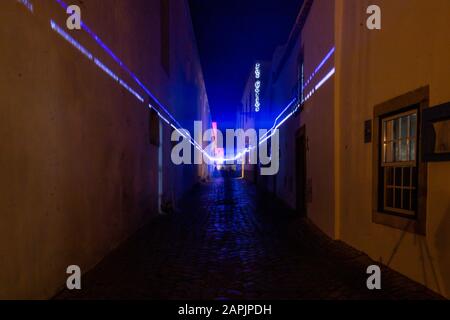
{"x":442,"y":248}
{"x":429,"y":276}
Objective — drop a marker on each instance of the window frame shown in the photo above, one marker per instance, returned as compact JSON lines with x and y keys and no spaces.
{"x":411,"y":111}
{"x":414,"y":100}
{"x":398,"y":164}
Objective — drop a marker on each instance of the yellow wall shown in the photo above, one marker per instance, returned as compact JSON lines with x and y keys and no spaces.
{"x":411,"y":51}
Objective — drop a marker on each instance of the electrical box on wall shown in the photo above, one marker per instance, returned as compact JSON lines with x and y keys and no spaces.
{"x":368,"y":131}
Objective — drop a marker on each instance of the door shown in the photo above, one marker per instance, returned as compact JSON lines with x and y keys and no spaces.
{"x":300,"y":169}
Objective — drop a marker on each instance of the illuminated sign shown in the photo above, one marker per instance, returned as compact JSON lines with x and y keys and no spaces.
{"x":257,"y":87}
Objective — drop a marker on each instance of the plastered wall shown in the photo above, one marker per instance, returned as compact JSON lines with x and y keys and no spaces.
{"x":78,"y":174}
{"x":411,"y":51}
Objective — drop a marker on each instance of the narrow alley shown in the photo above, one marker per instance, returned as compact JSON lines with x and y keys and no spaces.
{"x":228,"y":241}
{"x":253,"y":150}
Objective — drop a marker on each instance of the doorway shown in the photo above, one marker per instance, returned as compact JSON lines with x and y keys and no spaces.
{"x":300,"y":171}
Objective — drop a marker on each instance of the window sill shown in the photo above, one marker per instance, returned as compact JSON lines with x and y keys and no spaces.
{"x":411,"y":225}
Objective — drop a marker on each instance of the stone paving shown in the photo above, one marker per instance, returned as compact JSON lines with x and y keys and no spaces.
{"x":230,"y":242}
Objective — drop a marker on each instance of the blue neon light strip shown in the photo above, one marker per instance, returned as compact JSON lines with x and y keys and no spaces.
{"x":328,"y":56}
{"x":84,"y":51}
{"x":120,"y":63}
{"x":319,"y":67}
{"x":71,"y":40}
{"x":272,"y":131}
{"x":97,"y":62}
{"x":126,"y":86}
{"x":28,"y":4}
{"x":159,"y":114}
{"x":279,"y":116}
{"x":311,"y":77}
{"x":325,"y":79}
{"x":106,"y":69}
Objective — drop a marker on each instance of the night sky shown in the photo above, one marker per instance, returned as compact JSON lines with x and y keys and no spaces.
{"x":231,"y":35}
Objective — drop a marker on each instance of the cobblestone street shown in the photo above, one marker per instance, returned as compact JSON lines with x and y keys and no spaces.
{"x":229,"y":242}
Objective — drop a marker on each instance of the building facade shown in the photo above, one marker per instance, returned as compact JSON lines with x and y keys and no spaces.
{"x":364,"y":153}
{"x":86,"y":118}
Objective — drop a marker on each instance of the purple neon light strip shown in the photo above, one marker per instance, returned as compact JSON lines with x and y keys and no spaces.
{"x":321,"y":64}
{"x":194,"y":143}
{"x":105,"y":69}
{"x":311,"y":77}
{"x":27,"y":5}
{"x":124,"y":67}
{"x":120,"y":63}
{"x":328,"y":56}
{"x":90,"y":56}
{"x":272,"y":131}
